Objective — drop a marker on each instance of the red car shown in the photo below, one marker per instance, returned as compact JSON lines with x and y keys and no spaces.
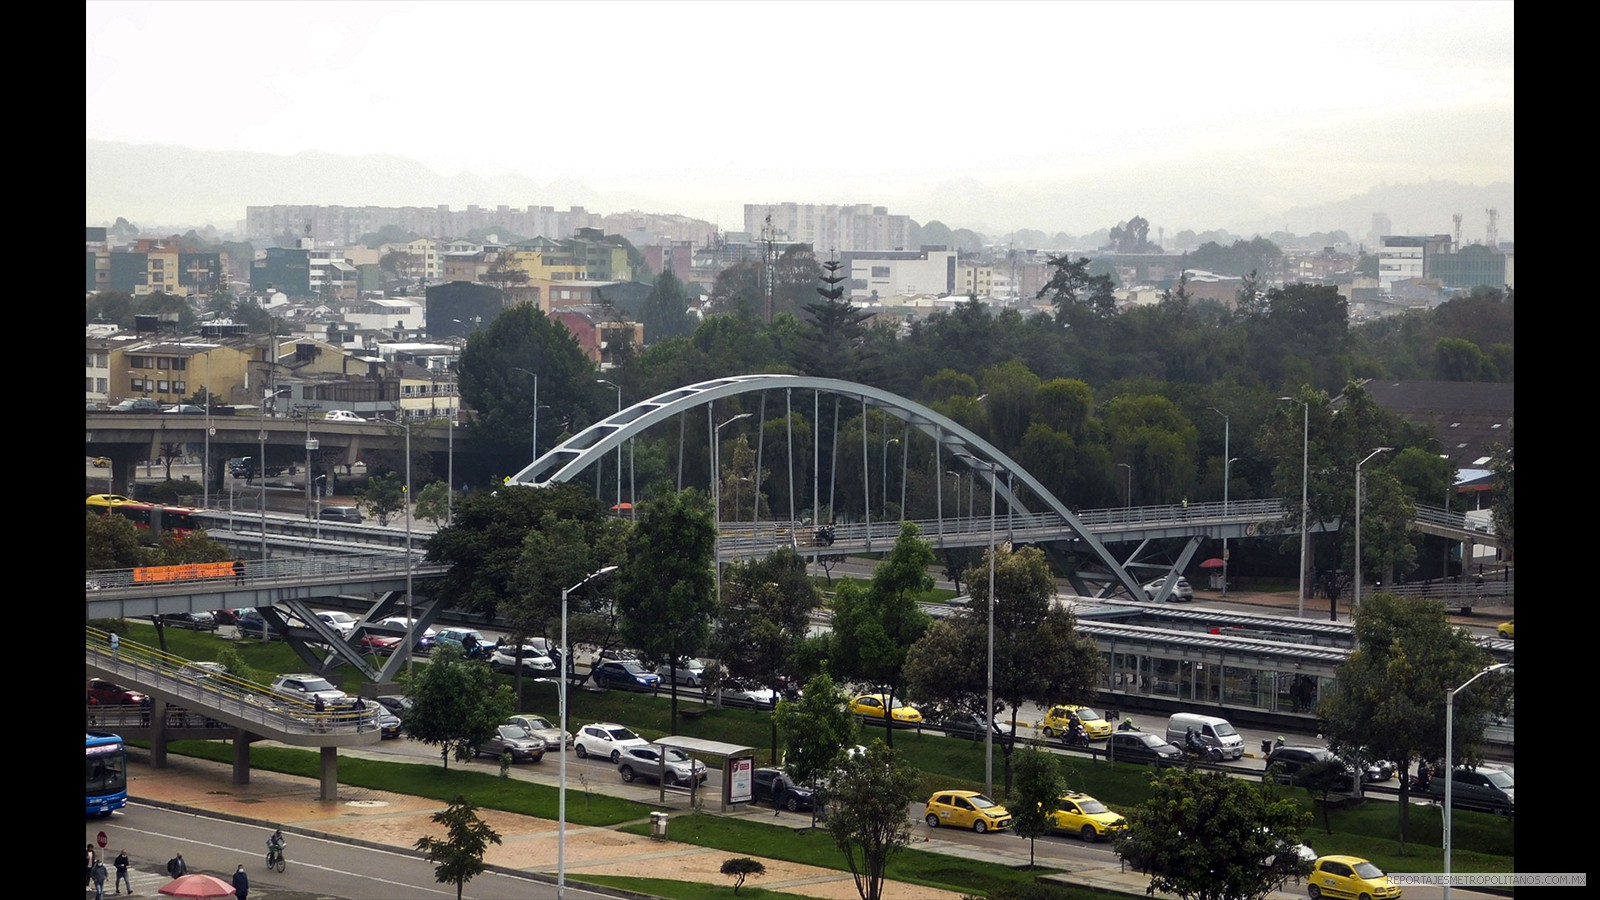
{"x":377,"y":643}
{"x":108,"y":694}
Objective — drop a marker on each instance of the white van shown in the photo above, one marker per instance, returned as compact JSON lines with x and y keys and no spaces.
{"x":1214,"y":731}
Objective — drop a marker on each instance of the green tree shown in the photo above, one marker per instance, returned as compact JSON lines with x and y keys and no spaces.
{"x":1388,"y":701}
{"x":1039,"y":656}
{"x":233,"y":663}
{"x":815,"y":729}
{"x":1207,"y":836}
{"x":495,"y":384}
{"x":194,"y":547}
{"x":456,"y":704}
{"x":666,"y":310}
{"x":766,"y":610}
{"x":384,"y":496}
{"x":868,"y":796}
{"x":1455,"y":359}
{"x":555,"y":555}
{"x":458,"y":856}
{"x":741,"y":868}
{"x":873,"y":629}
{"x":665,"y":588}
{"x":435,"y":502}
{"x":1040,"y":784}
{"x":111,"y":542}
{"x":1152,"y":434}
{"x":1072,"y":288}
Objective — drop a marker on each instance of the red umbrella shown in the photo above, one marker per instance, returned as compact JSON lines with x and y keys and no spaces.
{"x":1214,"y":562}
{"x":197,"y":885}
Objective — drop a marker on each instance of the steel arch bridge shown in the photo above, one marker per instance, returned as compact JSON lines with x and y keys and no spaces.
{"x":590,"y":446}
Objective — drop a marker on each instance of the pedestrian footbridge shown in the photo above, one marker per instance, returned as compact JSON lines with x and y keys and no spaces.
{"x":191,"y":701}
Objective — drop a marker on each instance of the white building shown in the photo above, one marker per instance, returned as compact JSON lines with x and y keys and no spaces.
{"x":931,"y":270}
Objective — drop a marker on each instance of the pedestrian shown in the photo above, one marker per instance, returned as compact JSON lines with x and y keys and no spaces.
{"x":121,"y":862}
{"x":144,"y":711}
{"x":360,"y":710}
{"x":88,"y":866}
{"x":97,"y":874}
{"x":176,"y":867}
{"x":116,"y":643}
{"x":241,"y":884}
{"x":238,"y":571}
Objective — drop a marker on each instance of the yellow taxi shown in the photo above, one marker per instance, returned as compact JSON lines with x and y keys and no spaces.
{"x":1349,"y":876}
{"x":1058,"y":721}
{"x":872,"y":706}
{"x":1507,"y":629}
{"x":1079,"y":813}
{"x":966,"y":809}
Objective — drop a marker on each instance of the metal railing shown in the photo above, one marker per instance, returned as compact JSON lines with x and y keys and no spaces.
{"x":212,"y":695}
{"x":277,"y":571}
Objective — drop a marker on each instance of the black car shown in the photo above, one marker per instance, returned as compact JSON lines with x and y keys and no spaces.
{"x":396,"y":705}
{"x":625,"y":674}
{"x":1302,"y":766}
{"x":973,"y":726}
{"x":340,"y":514}
{"x":773,"y":786}
{"x":199,"y":621}
{"x":1138,"y":747}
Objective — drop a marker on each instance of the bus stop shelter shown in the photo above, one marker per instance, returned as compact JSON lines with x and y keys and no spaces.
{"x":735,"y":759}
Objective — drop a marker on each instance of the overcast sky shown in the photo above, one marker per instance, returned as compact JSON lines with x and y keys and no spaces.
{"x":1051,"y":115}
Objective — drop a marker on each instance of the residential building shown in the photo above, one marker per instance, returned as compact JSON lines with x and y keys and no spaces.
{"x":1408,"y":256}
{"x":827,"y":227}
{"x":1473,"y":266}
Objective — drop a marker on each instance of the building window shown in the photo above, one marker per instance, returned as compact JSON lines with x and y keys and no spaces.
{"x":88,"y":384}
{"x":163,"y":388}
{"x":880,"y":271}
{"x":180,"y":387}
{"x":100,"y":385}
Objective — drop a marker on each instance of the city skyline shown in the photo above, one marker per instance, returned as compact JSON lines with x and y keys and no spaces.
{"x":994,"y":117}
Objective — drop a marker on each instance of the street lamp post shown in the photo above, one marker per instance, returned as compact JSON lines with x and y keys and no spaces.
{"x":618,"y":508}
{"x":1305,"y":471}
{"x":406,"y":497}
{"x":1355,"y":599}
{"x":317,"y":492}
{"x":1227,"y":434}
{"x":564,"y":663}
{"x":535,"y":407}
{"x":1127,"y":502}
{"x":716,"y":495}
{"x":312,"y":444}
{"x":988,"y":712}
{"x":261,"y":465}
{"x":1450,"y":762}
{"x":205,"y":470}
{"x":450,"y":472}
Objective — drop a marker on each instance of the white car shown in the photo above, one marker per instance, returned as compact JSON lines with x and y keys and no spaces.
{"x":342,"y":622}
{"x":534,"y":662}
{"x":1182,"y":591}
{"x":341,"y":415}
{"x":606,"y":740}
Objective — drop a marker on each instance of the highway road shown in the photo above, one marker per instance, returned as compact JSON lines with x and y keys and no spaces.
{"x":316,"y":868}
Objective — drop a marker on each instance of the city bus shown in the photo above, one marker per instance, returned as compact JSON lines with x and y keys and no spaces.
{"x":105,"y":773}
{"x":151,"y":519}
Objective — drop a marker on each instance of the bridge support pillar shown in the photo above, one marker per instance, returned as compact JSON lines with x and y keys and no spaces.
{"x":330,"y":774}
{"x":158,"y":733}
{"x":241,"y":757}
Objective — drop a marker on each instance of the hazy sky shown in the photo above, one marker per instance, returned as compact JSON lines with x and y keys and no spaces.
{"x":1052,"y":115}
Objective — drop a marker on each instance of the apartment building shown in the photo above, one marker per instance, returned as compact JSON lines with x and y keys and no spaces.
{"x":830,"y":227}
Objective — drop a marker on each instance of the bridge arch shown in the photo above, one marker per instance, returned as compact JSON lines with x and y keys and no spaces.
{"x":591,"y":445}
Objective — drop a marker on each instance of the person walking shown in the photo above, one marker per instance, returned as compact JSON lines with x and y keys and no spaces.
{"x":97,"y":874}
{"x":88,"y":866}
{"x":116,"y":643}
{"x":241,"y":884}
{"x":121,"y":863}
{"x":238,"y":571}
{"x":176,"y":867}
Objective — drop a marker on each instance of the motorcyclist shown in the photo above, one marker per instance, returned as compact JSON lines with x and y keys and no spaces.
{"x":1076,"y":734}
{"x":1127,"y":725}
{"x":1191,"y":742}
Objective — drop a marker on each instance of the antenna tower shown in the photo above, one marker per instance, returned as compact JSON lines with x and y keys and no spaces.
{"x":1457,"y":219}
{"x":768,"y":264}
{"x":1493,"y":238}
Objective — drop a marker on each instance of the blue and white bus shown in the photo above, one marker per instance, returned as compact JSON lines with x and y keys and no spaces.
{"x":105,"y":773}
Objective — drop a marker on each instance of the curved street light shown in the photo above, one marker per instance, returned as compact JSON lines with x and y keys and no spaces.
{"x":564,"y":663}
{"x":1305,"y":469}
{"x":1449,"y":760}
{"x":1355,"y":600}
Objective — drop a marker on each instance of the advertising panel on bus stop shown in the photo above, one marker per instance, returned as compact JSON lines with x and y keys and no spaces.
{"x":741,"y":788}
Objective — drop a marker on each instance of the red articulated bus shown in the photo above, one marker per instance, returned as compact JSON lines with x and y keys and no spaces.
{"x":151,"y":519}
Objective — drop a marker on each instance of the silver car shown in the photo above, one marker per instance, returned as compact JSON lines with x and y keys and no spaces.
{"x":542,"y":728}
{"x":646,"y":762}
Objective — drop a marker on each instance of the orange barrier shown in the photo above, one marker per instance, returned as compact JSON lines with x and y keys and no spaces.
{"x":186,"y":572}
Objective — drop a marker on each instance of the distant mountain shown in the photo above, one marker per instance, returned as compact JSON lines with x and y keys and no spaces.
{"x":164,"y":188}
{"x":1424,"y":208}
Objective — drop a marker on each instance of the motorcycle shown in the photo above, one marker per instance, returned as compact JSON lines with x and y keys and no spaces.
{"x":1127,"y":725}
{"x":1075,"y":737}
{"x":1201,"y":750}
